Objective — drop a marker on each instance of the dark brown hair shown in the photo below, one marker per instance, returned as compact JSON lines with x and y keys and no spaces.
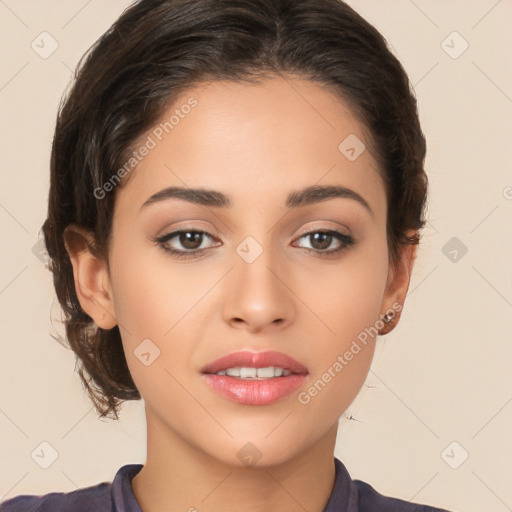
{"x":159,"y":48}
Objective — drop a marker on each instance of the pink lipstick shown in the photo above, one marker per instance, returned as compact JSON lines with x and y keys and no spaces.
{"x":255,"y":378}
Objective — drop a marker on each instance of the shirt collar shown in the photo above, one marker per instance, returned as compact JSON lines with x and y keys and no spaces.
{"x":122,"y":492}
{"x":343,"y":496}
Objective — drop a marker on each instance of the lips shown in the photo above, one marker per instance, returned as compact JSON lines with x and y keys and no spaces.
{"x":255,"y":360}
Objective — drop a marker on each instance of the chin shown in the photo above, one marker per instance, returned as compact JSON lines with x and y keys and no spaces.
{"x":259,"y":449}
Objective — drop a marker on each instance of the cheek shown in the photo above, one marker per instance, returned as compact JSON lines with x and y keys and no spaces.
{"x":346,"y":300}
{"x":346,"y":297}
{"x":152,"y":294}
{"x":161,"y":301}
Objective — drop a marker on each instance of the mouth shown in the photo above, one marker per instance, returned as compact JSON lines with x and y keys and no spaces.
{"x":250,"y":373}
{"x":255,"y":365}
{"x":255,"y":378}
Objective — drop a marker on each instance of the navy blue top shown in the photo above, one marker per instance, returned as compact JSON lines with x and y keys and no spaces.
{"x":347,"y":496}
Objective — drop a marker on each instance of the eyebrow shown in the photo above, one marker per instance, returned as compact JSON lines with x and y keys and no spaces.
{"x":212,"y":198}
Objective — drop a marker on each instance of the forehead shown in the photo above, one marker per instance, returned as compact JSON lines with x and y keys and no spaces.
{"x":255,"y":139}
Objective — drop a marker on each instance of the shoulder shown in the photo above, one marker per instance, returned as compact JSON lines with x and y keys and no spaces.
{"x":88,"y":499}
{"x":350,"y":495}
{"x":115,"y":496}
{"x":370,"y":500}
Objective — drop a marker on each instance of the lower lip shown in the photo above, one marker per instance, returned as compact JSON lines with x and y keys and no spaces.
{"x":255,"y":392}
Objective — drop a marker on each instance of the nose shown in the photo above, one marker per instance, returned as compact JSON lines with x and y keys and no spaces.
{"x":257,"y":295}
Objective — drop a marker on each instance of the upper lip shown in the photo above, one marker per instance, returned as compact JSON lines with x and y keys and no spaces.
{"x":249,"y":359}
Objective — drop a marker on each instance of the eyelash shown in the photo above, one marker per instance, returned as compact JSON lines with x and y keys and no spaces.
{"x":347,"y":243}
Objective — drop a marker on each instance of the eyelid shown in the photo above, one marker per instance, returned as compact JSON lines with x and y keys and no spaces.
{"x":321,"y":226}
{"x":317,"y":226}
{"x":188,"y":225}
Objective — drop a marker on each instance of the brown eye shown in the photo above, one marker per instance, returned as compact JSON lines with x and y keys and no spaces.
{"x":184,"y":243}
{"x":320,"y":241}
{"x":190,"y":239}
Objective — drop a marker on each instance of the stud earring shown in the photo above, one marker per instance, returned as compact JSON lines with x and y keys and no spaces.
{"x":387,"y":318}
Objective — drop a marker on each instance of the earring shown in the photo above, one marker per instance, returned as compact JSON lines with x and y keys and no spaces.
{"x":387,"y":318}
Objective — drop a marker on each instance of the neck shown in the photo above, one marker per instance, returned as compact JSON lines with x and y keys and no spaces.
{"x":180,"y":477}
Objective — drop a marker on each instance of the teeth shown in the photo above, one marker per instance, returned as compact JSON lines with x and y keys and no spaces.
{"x":252,"y":372}
{"x":255,"y":373}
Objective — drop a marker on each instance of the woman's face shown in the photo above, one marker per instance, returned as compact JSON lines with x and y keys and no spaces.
{"x":264,"y":278}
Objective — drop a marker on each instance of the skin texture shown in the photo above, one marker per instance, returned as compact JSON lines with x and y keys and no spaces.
{"x":255,"y":143}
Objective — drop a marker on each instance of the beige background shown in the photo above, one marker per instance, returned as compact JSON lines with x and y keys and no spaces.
{"x":443,"y":375}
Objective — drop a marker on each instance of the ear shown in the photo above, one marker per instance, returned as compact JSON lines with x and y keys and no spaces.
{"x":399,"y":278}
{"x":92,"y":280}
